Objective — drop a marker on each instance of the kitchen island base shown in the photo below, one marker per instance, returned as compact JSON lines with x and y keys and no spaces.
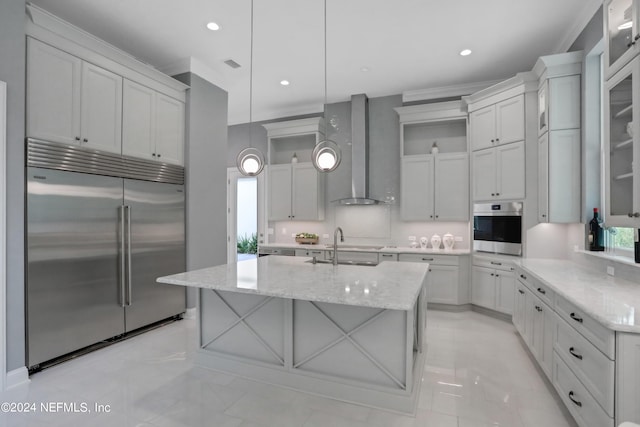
{"x":363,"y":355}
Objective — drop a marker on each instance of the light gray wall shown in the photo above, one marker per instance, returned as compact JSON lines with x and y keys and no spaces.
{"x":12,"y":71}
{"x":206,"y":175}
{"x":590,"y":35}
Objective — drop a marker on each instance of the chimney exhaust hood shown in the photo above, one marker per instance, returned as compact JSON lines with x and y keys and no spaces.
{"x":359,"y":153}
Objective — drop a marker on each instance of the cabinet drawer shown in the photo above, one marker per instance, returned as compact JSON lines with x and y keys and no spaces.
{"x":318,"y":253}
{"x":494,"y":264}
{"x":387,"y":257}
{"x":595,"y":332}
{"x":592,"y":367}
{"x":538,"y":288}
{"x":430,"y":258}
{"x":575,"y":396}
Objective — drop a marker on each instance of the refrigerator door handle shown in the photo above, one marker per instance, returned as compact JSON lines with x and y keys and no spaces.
{"x":123,"y":264}
{"x":128,"y":301}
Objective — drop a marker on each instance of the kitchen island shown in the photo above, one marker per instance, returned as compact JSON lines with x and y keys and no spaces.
{"x":352,"y":333}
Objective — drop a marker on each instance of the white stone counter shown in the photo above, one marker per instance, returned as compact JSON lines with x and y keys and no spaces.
{"x":364,"y":248}
{"x":612,"y":301}
{"x":389,"y":285}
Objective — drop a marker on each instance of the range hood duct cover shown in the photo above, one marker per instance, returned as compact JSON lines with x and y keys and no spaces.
{"x":359,"y":153}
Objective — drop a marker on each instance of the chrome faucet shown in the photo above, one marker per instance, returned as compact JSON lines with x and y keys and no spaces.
{"x":335,"y":244}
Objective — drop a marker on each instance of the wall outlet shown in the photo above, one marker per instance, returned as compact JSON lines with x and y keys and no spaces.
{"x":611,"y":271}
{"x":270,"y":231}
{"x":412,"y":238}
{"x":284,"y":231}
{"x":325,"y":236}
{"x":458,"y":238}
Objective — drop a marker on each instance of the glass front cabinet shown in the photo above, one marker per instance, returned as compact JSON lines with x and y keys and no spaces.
{"x":622,"y":30}
{"x":622,"y":147}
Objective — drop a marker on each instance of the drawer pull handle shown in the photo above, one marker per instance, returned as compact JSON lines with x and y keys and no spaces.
{"x":387,"y":255}
{"x":523,"y":276}
{"x":521,"y":291}
{"x":542,"y":291}
{"x":576,"y":318}
{"x":577,"y":403}
{"x":574,"y":354}
{"x":427,"y":259}
{"x":496,"y":263}
{"x":538,"y":308}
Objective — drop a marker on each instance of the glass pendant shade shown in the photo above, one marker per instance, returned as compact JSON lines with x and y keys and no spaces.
{"x":326,"y":156}
{"x":250,"y":162}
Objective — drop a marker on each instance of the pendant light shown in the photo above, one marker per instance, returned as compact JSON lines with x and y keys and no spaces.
{"x":250,"y":161}
{"x":326,"y":154}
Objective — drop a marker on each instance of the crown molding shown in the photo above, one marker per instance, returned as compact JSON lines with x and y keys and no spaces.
{"x":445,"y":91}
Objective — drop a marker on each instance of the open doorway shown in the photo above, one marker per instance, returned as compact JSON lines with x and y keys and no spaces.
{"x":243,"y":216}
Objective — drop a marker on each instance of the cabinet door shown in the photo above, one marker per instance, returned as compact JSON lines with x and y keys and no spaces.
{"x":169,"y":133}
{"x":483,"y":289}
{"x":519,"y":309}
{"x":279,"y":192}
{"x":543,"y":178}
{"x":484,"y":174}
{"x":482,"y":128}
{"x":564,"y":176}
{"x":564,"y":102}
{"x":417,"y":182}
{"x":505,"y":288}
{"x":535,"y":325}
{"x":451,"y":193}
{"x":53,"y":93}
{"x":510,"y":120}
{"x":627,"y":376}
{"x":510,"y":170}
{"x":442,"y":284}
{"x":138,"y":120}
{"x":305,"y":188}
{"x":543,"y":108}
{"x":101,"y":117}
{"x":548,"y":338}
{"x":621,"y":28}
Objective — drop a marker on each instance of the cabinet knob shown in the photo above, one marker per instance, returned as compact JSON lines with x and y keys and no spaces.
{"x":636,"y":37}
{"x":85,"y":140}
{"x":77,"y":138}
{"x":493,"y":194}
{"x":159,"y":154}
{"x":497,"y":275}
{"x":538,"y":308}
{"x":631,"y":43}
{"x":523,"y":276}
{"x":492,"y":274}
{"x":437,"y":216}
{"x":542,"y":291}
{"x":497,"y":139}
{"x":521,"y":291}
{"x":431,"y":216}
{"x":497,"y":194}
{"x":493,"y":140}
{"x":153,"y":154}
{"x":544,"y":216}
{"x":634,"y":214}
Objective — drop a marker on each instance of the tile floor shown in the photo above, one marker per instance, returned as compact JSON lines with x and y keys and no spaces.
{"x":477,"y":374}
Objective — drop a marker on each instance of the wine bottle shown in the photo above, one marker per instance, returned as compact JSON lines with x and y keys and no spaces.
{"x":595,"y":233}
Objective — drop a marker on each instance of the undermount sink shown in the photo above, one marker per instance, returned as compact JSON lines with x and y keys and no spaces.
{"x":357,"y":247}
{"x":359,"y":263}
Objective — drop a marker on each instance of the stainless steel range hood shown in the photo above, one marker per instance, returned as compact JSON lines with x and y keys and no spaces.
{"x":359,"y":153}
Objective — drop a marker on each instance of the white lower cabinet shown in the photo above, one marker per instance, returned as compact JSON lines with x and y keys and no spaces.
{"x":540,"y":324}
{"x":627,"y":377}
{"x":443,"y":280}
{"x":493,"y":288}
{"x":519,"y":309}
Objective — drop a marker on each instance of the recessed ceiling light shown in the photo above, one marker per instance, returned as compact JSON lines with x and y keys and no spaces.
{"x":364,"y":69}
{"x":465,"y":52}
{"x":284,"y":82}
{"x":625,"y":26}
{"x":213,"y":26}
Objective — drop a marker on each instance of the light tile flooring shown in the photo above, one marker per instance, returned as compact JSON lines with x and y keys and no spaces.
{"x":477,"y":374}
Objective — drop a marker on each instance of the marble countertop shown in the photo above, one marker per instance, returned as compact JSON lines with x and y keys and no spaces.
{"x":389,"y":285}
{"x":364,"y":248}
{"x":612,"y":301}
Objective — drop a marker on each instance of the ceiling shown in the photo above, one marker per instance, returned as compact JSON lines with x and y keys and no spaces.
{"x":405,"y":44}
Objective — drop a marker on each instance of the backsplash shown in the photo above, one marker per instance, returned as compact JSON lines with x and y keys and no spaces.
{"x":369,"y":225}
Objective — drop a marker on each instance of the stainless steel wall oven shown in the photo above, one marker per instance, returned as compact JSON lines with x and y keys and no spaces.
{"x":497,"y":228}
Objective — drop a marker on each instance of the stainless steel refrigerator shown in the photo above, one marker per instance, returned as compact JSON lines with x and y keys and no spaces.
{"x":96,"y":243}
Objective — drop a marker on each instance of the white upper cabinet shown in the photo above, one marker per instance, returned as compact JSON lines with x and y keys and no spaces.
{"x":499,"y":123}
{"x":434,"y":183}
{"x":622,"y":147}
{"x":296,"y":188}
{"x":53,"y":93}
{"x":71,"y":101}
{"x":559,"y":118}
{"x":153,"y":125}
{"x":498,"y":173}
{"x":101,"y":113}
{"x":622,"y":34}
